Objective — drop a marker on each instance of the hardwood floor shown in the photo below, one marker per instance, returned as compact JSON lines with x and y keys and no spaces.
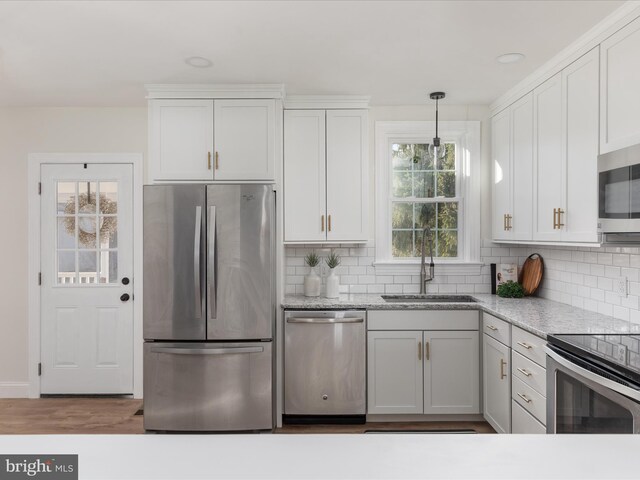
{"x":117,"y":416}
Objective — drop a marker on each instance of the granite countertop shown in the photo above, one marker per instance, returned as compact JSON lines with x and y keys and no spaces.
{"x":536,"y":315}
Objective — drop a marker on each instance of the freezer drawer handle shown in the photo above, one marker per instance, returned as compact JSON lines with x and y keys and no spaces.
{"x":207,"y":351}
{"x":196,"y":262}
{"x":326,"y":320}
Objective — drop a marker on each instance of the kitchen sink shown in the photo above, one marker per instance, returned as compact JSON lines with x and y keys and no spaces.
{"x":428,"y":299}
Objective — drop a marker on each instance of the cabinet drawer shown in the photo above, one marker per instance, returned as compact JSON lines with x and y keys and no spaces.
{"x":423,"y":320}
{"x":529,"y":372}
{"x":523,"y":422}
{"x":496,"y":328}
{"x":529,"y":399}
{"x":529,"y":345}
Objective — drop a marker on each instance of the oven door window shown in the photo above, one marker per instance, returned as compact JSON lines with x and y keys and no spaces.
{"x":615,"y":193}
{"x":579,"y":409}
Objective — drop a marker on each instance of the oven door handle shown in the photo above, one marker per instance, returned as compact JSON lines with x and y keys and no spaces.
{"x":600,"y":380}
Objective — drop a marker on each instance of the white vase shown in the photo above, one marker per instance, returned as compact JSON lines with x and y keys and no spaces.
{"x":312,"y":284}
{"x":333,"y":284}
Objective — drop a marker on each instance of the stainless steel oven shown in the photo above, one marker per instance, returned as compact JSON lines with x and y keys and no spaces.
{"x":619,"y":193}
{"x":586,"y":391}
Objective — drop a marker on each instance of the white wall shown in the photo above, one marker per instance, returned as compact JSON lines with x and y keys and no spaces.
{"x":43,"y":130}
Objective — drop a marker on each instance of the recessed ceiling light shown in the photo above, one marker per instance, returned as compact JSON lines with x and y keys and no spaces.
{"x":198,"y":62}
{"x":510,"y":58}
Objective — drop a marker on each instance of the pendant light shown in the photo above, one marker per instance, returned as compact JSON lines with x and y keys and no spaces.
{"x":437,"y":152}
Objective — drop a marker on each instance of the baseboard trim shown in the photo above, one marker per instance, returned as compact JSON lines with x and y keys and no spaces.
{"x":463,"y":417}
{"x":14,"y":389}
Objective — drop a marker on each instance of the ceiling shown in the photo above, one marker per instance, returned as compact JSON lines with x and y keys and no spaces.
{"x":102,"y":53}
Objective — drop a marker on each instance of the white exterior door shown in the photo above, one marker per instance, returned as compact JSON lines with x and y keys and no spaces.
{"x":451,"y":372}
{"x":245,"y":139}
{"x":394,"y":372}
{"x":87,"y":286}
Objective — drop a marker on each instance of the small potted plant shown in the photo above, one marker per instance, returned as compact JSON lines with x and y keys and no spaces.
{"x":333,"y":281}
{"x":312,"y":281}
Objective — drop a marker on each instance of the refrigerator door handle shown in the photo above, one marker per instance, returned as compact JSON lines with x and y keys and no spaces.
{"x":196,"y":263}
{"x":212,"y":263}
{"x":207,"y":351}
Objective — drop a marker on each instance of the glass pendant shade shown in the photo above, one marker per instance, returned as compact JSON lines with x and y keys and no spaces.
{"x":437,"y":153}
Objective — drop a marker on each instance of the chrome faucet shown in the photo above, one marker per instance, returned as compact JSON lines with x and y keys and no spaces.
{"x":423,"y":267}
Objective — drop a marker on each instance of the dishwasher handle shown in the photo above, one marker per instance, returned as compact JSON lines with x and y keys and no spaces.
{"x":325,"y":320}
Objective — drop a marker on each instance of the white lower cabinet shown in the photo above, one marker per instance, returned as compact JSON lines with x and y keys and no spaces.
{"x":523,"y":422}
{"x":496,"y":384}
{"x":430,"y":372}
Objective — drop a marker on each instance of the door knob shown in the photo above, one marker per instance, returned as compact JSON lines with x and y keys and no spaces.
{"x":125,"y":281}
{"x":125,"y":297}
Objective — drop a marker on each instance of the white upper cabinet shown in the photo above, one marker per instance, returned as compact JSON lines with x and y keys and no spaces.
{"x":619,"y":92}
{"x":244,"y":135}
{"x":347,"y":175}
{"x":549,"y":165}
{"x":501,"y":165}
{"x":181,"y":139}
{"x":326,"y":176}
{"x":226,"y":133}
{"x":522,"y":167}
{"x":304,"y":176}
{"x":580,"y":83}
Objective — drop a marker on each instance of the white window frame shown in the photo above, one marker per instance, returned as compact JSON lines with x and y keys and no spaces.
{"x":466,"y":135}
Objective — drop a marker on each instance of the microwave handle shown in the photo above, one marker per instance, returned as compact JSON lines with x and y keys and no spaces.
{"x":594,"y":377}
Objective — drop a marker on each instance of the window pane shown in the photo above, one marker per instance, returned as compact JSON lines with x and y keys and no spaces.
{"x":421,"y":158}
{"x":425,"y":215}
{"x":66,"y":267}
{"x":401,"y":156}
{"x":447,"y":215}
{"x":402,"y":243}
{"x":401,"y":184}
{"x":402,"y":215}
{"x":109,"y":197}
{"x":108,"y":267}
{"x":446,"y":184}
{"x":87,"y":197}
{"x":66,"y":233}
{"x":87,"y":263}
{"x":87,"y":226}
{"x":449,"y":161}
{"x":423,"y":184}
{"x":66,"y":198}
{"x":447,"y":243}
{"x":427,"y":251}
{"x":109,"y":232}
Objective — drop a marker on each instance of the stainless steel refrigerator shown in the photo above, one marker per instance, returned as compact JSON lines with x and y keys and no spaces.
{"x":209,"y":307}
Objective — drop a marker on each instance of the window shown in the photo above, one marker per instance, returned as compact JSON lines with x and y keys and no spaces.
{"x":413,"y":192}
{"x":423,"y":194}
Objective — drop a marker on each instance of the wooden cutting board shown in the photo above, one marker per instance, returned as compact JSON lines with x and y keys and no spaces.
{"x":531,"y":273}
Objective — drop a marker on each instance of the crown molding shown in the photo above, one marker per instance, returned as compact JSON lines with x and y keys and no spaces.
{"x":265,"y":90}
{"x":304,"y":102}
{"x":628,"y":12}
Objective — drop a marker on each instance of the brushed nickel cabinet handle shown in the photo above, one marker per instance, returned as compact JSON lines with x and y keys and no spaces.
{"x":216,"y":160}
{"x":504,"y":221}
{"x":524,"y":397}
{"x":525,"y":345}
{"x":209,"y":160}
{"x":329,"y":222}
{"x":524,"y":372}
{"x":560,"y":213}
{"x":420,"y":350}
{"x":555,"y":222}
{"x":322,"y":223}
{"x":502,"y":365}
{"x":491,"y":327}
{"x":427,"y":353}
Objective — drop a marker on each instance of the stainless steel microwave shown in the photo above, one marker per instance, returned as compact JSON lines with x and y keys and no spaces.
{"x":619,"y":194}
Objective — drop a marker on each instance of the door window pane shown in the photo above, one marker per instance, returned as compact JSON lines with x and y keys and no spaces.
{"x":108,"y":266}
{"x":87,"y":266}
{"x":66,"y":267}
{"x":66,"y":201}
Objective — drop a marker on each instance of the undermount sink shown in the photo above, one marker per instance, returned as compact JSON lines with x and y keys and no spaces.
{"x":428,"y":298}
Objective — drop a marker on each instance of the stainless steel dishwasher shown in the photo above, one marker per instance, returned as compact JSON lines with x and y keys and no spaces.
{"x":325,"y":364}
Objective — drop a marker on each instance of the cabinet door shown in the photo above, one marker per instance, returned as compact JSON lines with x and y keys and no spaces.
{"x":496,"y":376}
{"x":501,"y":165}
{"x":304,"y":176}
{"x":245,"y":139}
{"x":451,"y":372}
{"x":549,"y":159}
{"x":619,"y":92}
{"x":580,"y":82}
{"x":394,"y":372}
{"x":522,"y":167}
{"x":347,"y":175}
{"x":180,"y":139}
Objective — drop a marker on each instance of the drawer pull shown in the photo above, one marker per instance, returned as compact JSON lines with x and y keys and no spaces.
{"x":491,"y":327}
{"x":525,"y":345}
{"x":524,"y":397}
{"x":524,"y":372}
